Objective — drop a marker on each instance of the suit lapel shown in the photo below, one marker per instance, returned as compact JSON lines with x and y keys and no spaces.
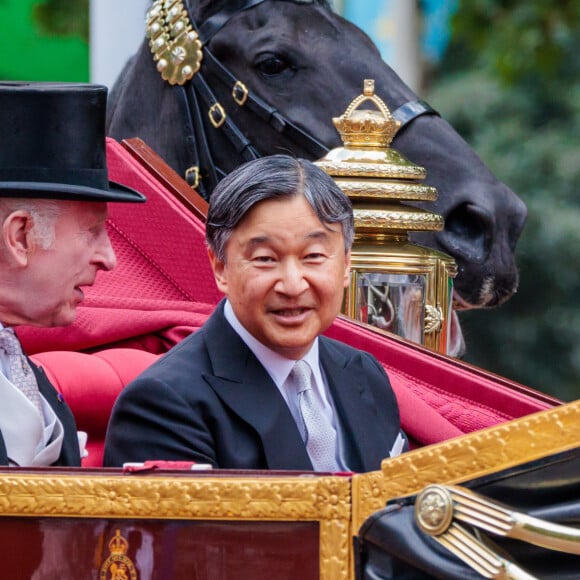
{"x":246,"y":388}
{"x":363,"y":428}
{"x":70,"y":454}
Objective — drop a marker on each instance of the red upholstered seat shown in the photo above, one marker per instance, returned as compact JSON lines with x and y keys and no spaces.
{"x":163,"y":289}
{"x":90,"y":383}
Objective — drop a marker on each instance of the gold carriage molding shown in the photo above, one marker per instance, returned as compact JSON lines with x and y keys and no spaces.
{"x":395,"y":285}
{"x":221,"y":525}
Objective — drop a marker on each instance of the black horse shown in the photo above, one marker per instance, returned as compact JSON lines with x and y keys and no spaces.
{"x":303,"y":64}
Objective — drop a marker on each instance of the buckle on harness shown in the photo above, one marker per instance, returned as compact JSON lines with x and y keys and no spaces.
{"x":192,"y":176}
{"x":240,"y":93}
{"x":217,"y":115}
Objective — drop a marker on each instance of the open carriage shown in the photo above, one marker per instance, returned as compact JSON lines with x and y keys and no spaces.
{"x":155,"y":521}
{"x":466,"y":426}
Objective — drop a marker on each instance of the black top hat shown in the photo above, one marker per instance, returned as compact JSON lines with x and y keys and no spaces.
{"x":53,"y":143}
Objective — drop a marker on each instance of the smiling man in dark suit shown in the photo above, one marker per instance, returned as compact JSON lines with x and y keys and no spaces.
{"x":258,"y":387}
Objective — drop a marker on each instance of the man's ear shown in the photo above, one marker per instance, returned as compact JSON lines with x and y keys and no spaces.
{"x":347,"y":269}
{"x":219,"y":271}
{"x":17,"y":236}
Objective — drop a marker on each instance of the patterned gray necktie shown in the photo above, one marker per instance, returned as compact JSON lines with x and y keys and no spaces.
{"x":21,"y":374}
{"x":318,"y":433}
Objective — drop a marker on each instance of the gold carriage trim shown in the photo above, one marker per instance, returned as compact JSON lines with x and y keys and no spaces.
{"x":174,"y":44}
{"x":470,"y":456}
{"x":338,"y":504}
{"x":321,"y":499}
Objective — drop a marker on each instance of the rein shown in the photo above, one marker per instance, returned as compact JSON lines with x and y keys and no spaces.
{"x":179,"y":47}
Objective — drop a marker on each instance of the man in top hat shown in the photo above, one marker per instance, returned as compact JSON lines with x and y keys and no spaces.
{"x":54,"y":190}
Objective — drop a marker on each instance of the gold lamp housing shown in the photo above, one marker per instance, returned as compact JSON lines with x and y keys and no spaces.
{"x":396,"y":286}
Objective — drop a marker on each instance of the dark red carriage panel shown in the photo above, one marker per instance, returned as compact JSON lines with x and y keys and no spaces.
{"x":180,"y":550}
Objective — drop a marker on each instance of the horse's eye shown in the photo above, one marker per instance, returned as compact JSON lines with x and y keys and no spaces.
{"x":272,"y":65}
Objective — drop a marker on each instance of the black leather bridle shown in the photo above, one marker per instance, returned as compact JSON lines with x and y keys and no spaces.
{"x":199,"y":99}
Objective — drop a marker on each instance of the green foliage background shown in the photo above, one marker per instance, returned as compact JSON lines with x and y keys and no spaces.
{"x":44,"y":40}
{"x":510,"y":84}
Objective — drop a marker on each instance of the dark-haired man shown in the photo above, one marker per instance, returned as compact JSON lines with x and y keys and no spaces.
{"x":258,"y":386}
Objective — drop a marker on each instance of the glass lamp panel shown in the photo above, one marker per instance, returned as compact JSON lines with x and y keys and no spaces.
{"x":393,"y":302}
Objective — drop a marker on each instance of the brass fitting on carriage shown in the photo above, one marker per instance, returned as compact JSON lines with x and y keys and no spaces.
{"x":440,"y":510}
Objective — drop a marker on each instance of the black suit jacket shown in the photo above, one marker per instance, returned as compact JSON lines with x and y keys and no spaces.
{"x":209,"y":400}
{"x":70,"y":454}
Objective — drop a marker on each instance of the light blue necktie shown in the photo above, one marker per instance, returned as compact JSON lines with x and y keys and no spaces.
{"x":22,"y":375}
{"x":318,"y":433}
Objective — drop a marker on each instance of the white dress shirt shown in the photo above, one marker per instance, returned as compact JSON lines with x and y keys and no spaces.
{"x":279,"y":367}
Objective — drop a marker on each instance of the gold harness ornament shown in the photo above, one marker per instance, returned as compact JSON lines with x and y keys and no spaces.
{"x":174,"y":44}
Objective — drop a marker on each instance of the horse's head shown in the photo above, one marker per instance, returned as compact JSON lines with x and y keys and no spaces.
{"x":308,"y":63}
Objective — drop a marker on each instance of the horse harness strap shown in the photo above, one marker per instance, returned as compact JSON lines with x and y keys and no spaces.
{"x":243,"y":97}
{"x":195,"y":94}
{"x":197,"y":143}
{"x":240,"y":93}
{"x":219,"y":119}
{"x":216,"y":22}
{"x":409,"y":111}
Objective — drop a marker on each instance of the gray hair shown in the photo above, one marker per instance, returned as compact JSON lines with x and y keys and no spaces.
{"x":44,"y":214}
{"x":274,"y":177}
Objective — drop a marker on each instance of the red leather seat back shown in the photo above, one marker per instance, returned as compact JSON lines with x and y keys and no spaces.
{"x":90,"y":384}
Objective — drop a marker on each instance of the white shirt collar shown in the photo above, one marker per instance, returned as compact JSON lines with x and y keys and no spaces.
{"x":277,"y":366}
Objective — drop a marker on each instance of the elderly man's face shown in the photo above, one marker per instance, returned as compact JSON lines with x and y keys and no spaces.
{"x":285,"y":274}
{"x":56,"y":276}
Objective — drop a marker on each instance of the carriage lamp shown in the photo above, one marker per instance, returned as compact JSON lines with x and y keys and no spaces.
{"x":395,"y":285}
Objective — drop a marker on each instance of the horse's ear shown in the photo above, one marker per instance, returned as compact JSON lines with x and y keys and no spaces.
{"x":201,"y":10}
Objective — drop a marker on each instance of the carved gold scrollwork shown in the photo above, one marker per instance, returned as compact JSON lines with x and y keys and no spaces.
{"x":323,"y":499}
{"x":174,"y":44}
{"x":467,"y":457}
{"x":433,"y":318}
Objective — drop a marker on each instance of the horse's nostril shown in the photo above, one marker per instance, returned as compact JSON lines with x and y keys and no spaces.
{"x":467,"y":232}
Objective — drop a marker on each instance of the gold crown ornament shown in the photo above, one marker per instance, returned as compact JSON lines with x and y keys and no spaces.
{"x":118,"y":564}
{"x":375,"y":177}
{"x":367,"y":128}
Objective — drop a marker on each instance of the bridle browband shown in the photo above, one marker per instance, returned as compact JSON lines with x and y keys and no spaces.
{"x":198,"y":99}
